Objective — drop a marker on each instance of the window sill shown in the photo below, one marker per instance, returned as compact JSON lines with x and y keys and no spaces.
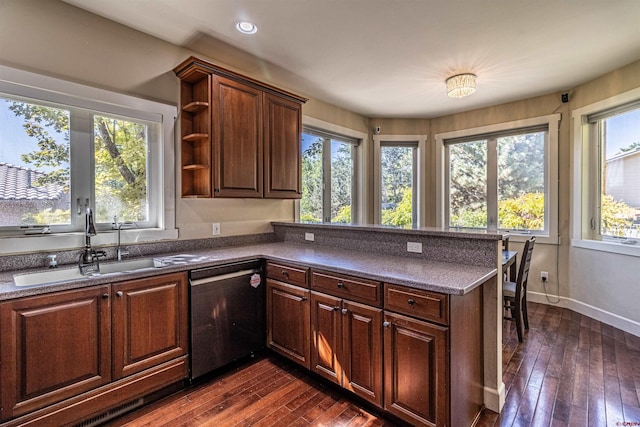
{"x":611,"y":247}
{"x":540,"y":239}
{"x":66,"y":241}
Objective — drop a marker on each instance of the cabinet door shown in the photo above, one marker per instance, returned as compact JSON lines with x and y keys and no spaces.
{"x":53,"y":347}
{"x":288,"y":321}
{"x":416,"y":377}
{"x":237,"y":124}
{"x":362,"y":350}
{"x":282,"y":148}
{"x":149,"y":322}
{"x":326,"y":336}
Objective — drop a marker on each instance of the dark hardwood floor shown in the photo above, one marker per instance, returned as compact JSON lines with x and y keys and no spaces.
{"x":570,"y":370}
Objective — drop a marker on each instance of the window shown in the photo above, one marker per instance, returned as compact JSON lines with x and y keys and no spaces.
{"x":328,"y":171}
{"x":499,"y":177}
{"x":398,"y":178}
{"x":67,"y":147}
{"x":398,"y":184}
{"x":616,"y":146}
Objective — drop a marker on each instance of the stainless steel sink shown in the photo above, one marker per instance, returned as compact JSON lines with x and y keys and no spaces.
{"x":54,"y":276}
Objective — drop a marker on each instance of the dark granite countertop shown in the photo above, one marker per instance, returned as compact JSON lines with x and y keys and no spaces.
{"x":450,"y":278}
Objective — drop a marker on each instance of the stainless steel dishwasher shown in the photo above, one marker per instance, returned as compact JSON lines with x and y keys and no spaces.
{"x":227,"y":315}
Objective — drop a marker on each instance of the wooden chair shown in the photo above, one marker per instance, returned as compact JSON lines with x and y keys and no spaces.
{"x":514,"y":294}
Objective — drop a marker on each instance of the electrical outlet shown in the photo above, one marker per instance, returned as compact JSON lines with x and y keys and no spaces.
{"x":414,"y":247}
{"x":309,"y":237}
{"x":544,"y":276}
{"x":216,"y":228}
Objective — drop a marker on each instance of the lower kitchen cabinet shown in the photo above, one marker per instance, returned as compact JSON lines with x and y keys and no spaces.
{"x":149,"y":323}
{"x":53,"y":347}
{"x":416,"y":370}
{"x":347,"y":344}
{"x":288,"y":321}
{"x":71,"y":355}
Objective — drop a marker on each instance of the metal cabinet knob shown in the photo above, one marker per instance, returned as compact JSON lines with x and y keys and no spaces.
{"x":119,"y":293}
{"x":105,"y":296}
{"x":345,"y":311}
{"x":284,"y":273}
{"x":411,"y":301}
{"x":386,"y":324}
{"x":303,"y":298}
{"x":336,"y":308}
{"x":340,"y":285}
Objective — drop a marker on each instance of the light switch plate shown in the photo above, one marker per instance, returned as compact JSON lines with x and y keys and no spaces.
{"x":415,"y":247}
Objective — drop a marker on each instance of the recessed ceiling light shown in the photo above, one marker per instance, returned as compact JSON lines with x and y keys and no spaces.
{"x":246,"y":27}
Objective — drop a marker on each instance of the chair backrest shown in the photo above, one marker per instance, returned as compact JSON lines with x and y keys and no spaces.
{"x":525,"y":264}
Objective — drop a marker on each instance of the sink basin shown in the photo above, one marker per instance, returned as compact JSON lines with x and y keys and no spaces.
{"x":54,"y":276}
{"x":134,"y":264}
{"x":47,"y":277}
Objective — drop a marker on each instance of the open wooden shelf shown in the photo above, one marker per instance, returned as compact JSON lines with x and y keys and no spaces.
{"x":195,"y":137}
{"x":195,"y":106}
{"x":195,"y":167}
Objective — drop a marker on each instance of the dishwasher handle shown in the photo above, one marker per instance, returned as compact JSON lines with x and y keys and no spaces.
{"x":214,"y":279}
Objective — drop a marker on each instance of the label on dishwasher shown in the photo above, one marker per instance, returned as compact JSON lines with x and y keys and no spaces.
{"x":255,"y":280}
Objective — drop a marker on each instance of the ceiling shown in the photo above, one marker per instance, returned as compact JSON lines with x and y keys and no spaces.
{"x":390,"y":58}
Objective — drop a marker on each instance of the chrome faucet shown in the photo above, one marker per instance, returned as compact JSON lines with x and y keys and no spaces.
{"x":119,"y":226}
{"x":88,"y":261}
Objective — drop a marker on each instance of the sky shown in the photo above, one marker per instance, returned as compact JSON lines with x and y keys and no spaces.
{"x":12,"y":132}
{"x":622,"y":131}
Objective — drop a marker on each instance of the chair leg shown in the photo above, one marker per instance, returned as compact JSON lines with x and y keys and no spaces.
{"x":518,"y":318}
{"x":525,"y":315}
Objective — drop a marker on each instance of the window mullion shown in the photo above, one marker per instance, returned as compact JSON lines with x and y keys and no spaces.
{"x":82,"y":165}
{"x":492,"y":184}
{"x":326,"y":180}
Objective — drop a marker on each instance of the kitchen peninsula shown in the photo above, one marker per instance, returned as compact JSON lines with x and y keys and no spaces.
{"x":448,"y":289}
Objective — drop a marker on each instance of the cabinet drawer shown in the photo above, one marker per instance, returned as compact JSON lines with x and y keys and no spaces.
{"x":418,"y":303}
{"x":352,"y":288}
{"x":288,"y":273}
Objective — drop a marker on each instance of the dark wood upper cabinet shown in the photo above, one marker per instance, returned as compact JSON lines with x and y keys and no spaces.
{"x":237,"y":142}
{"x":282,"y":148}
{"x":252,"y":132}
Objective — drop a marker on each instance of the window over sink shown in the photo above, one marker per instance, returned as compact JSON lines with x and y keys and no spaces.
{"x":66,"y":147}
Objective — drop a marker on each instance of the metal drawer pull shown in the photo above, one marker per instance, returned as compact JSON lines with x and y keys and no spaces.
{"x":105,"y":296}
{"x":340,"y":285}
{"x":119,"y":293}
{"x":284,"y":273}
{"x":386,"y":324}
{"x":336,"y":308}
{"x":303,"y":298}
{"x":411,"y":301}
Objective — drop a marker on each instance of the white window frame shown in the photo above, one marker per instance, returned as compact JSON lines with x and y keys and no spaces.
{"x":51,"y":90}
{"x":550,"y":234}
{"x":419,"y":173}
{"x":585,"y":168}
{"x":359,"y":185}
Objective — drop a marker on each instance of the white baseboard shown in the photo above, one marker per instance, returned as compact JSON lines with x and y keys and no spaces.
{"x":627,"y":325}
{"x":494,"y":399}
